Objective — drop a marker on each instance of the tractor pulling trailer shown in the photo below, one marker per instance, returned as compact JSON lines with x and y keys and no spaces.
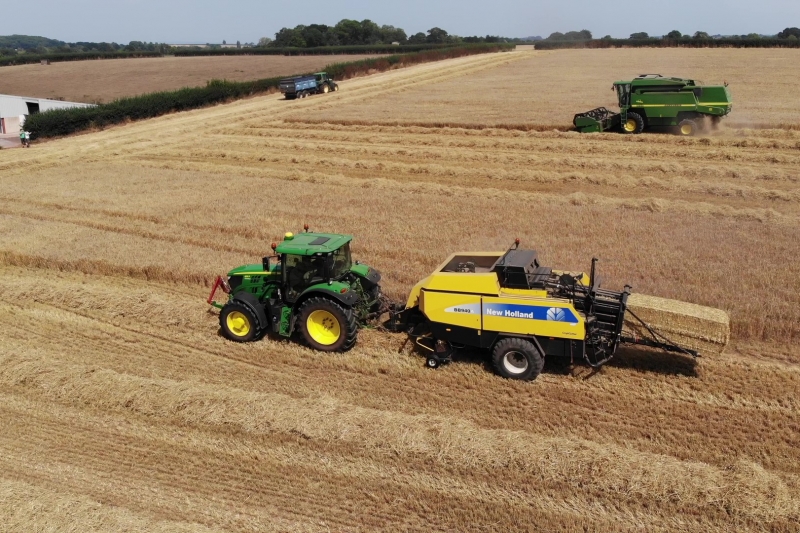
{"x":303,"y":86}
{"x":653,"y":100}
{"x":504,"y":303}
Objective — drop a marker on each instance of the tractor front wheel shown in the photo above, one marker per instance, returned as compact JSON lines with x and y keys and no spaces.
{"x":687,"y":128}
{"x":515,"y":358}
{"x":238,"y":322}
{"x":634,"y":124}
{"x":327,"y":326}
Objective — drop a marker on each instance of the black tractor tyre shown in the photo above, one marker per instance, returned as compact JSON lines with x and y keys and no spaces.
{"x":634,"y":124}
{"x":335,"y":87}
{"x":687,"y":128}
{"x":515,"y":358}
{"x":238,"y":322}
{"x":325,"y":88}
{"x":327,"y":325}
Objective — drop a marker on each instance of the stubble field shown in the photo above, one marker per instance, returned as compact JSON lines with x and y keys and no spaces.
{"x":105,"y":80}
{"x":123,"y":409}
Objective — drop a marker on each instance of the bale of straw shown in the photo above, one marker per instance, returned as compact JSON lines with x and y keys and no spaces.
{"x":692,"y":326}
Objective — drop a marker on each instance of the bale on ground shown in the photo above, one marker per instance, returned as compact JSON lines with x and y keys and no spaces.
{"x":704,"y":329}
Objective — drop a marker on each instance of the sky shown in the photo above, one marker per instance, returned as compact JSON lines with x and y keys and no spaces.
{"x":212,"y":21}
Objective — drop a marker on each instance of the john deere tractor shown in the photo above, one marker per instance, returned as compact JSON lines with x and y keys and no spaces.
{"x":653,"y":100}
{"x":310,"y":285}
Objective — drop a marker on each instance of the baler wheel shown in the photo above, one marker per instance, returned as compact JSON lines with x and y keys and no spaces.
{"x":238,"y":322}
{"x":515,"y":358}
{"x":634,"y":124}
{"x":327,"y":326}
{"x":687,"y":128}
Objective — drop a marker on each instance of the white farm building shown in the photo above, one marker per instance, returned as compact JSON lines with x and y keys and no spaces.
{"x":14,"y":109}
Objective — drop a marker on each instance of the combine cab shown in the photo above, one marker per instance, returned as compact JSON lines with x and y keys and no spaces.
{"x":653,"y":100}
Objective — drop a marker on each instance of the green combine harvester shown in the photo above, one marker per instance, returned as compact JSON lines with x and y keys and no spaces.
{"x":311,"y":285}
{"x":653,"y":100}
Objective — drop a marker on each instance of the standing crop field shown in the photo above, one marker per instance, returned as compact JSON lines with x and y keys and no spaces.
{"x":105,"y":80}
{"x":124,"y":409}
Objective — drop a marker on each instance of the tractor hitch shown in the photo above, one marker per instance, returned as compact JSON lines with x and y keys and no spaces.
{"x":219,"y":283}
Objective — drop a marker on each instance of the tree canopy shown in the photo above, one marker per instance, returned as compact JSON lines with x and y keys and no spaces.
{"x":788,"y":32}
{"x":583,"y":35}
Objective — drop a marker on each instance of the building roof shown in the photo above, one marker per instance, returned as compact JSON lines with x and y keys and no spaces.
{"x":13,"y":105}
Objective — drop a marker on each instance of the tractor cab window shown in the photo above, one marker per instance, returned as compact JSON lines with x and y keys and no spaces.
{"x":624,"y":94}
{"x":341,"y":262}
{"x":301,"y":271}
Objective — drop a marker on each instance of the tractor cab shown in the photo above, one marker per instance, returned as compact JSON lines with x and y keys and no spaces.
{"x":312,"y":258}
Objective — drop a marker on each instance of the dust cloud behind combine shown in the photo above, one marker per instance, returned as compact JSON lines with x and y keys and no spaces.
{"x":124,"y":410}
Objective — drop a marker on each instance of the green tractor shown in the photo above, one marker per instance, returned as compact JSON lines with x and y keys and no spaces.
{"x":653,"y":100}
{"x":310,"y":285}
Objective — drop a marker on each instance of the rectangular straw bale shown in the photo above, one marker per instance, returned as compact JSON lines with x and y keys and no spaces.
{"x":692,"y":326}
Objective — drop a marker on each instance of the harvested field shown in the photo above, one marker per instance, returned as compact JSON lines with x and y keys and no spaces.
{"x":545,"y":90}
{"x":104,"y":80}
{"x":123,"y":408}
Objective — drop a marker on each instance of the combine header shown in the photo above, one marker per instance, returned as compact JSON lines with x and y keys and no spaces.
{"x":653,"y":100}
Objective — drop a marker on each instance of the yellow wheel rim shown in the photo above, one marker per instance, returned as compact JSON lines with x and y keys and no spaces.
{"x":630,"y":125}
{"x":686,"y":129}
{"x":323,"y":327}
{"x":238,"y":324}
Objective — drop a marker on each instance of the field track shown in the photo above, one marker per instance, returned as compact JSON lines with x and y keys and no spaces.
{"x":124,"y":410}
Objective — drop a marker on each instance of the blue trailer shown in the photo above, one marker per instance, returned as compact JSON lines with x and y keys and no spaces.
{"x":302,"y":86}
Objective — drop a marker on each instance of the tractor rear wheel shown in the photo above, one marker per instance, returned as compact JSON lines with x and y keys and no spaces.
{"x":687,"y":128}
{"x":325,"y":89}
{"x":517,"y":359}
{"x":634,"y":123}
{"x":327,"y":326}
{"x":238,"y":322}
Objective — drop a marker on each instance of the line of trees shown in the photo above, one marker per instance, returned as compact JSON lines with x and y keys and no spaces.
{"x":791,"y":34}
{"x":11,"y":45}
{"x":349,"y":32}
{"x":788,"y":33}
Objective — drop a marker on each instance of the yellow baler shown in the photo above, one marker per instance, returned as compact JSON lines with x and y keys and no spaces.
{"x":506,"y":302}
